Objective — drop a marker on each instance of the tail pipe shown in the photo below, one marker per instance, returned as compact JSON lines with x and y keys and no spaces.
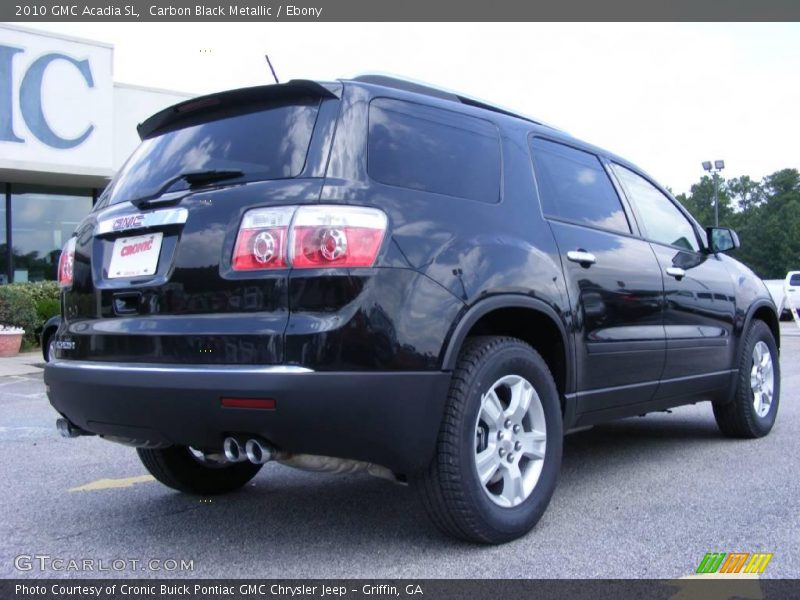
{"x":258,"y":451}
{"x":234,"y":449}
{"x":68,"y":429}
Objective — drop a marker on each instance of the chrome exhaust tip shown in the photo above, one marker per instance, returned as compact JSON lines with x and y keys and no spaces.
{"x":233,"y":450}
{"x":68,"y":430}
{"x":258,"y":452}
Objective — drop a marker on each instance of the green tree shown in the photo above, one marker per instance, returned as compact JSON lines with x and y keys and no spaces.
{"x":783,"y":184}
{"x":765,"y":214}
{"x":772,"y":234}
{"x":745,"y":193}
{"x":700,"y":201}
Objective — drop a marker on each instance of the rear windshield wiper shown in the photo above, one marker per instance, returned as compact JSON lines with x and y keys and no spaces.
{"x":193,"y":178}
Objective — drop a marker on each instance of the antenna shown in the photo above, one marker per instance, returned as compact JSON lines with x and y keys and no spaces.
{"x":269,"y":62}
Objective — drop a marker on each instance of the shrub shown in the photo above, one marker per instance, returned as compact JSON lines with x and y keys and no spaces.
{"x":46,"y":308}
{"x":38,"y":290}
{"x":45,"y":299}
{"x":17,"y":309}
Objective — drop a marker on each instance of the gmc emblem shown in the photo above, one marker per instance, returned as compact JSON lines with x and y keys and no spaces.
{"x":127,"y":222}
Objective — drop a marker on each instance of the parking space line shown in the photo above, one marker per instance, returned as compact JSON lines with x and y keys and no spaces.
{"x":107,"y":484}
{"x":6,"y":380}
{"x":33,"y":396}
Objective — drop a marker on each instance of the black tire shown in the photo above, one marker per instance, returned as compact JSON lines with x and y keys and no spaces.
{"x":450,"y":490}
{"x":739,"y":418}
{"x":177,"y":468}
{"x":47,"y":339}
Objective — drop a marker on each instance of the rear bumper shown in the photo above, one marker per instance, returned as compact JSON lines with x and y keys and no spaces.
{"x":389,"y":418}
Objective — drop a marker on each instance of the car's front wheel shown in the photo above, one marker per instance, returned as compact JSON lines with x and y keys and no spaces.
{"x":49,"y":344}
{"x":752,"y":412}
{"x":499,"y":447}
{"x":187,"y":470}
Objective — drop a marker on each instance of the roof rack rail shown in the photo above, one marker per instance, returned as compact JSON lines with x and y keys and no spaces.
{"x":407,"y":86}
{"x":420,"y":88}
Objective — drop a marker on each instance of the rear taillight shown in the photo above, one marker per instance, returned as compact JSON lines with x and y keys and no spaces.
{"x":261,"y":242}
{"x":309,"y":237}
{"x":336,"y":236}
{"x":65,"y":264}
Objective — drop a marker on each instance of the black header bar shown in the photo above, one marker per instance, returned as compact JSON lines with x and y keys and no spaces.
{"x":406,"y":589}
{"x":398,"y":10}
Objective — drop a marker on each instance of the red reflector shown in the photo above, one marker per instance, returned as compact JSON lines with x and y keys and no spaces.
{"x":263,"y":403}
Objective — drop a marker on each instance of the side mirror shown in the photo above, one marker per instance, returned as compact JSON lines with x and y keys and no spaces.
{"x":722,"y":239}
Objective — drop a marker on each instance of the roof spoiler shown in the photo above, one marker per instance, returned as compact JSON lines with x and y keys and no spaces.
{"x":196,"y":110}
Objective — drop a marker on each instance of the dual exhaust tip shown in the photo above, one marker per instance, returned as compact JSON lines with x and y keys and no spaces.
{"x":255,"y":450}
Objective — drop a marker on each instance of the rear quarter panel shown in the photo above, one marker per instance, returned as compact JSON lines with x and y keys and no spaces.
{"x":472,"y":249}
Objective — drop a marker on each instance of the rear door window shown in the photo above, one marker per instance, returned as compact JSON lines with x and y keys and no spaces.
{"x":794,"y":279}
{"x":574,"y":186}
{"x":433,"y":150}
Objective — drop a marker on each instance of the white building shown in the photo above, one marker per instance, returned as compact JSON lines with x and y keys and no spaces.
{"x":65,"y":128}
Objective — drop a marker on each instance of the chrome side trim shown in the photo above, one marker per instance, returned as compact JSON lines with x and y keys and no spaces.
{"x":173,"y":368}
{"x":170,"y":216}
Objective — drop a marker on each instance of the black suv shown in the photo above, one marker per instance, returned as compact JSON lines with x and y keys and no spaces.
{"x":381,"y":276}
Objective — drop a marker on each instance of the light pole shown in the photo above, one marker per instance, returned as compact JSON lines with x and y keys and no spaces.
{"x":714,"y":170}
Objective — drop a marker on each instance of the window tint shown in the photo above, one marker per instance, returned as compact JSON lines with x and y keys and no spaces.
{"x":573,"y":185}
{"x":794,"y":279}
{"x":267,"y":144}
{"x":663,"y":222}
{"x":433,"y":150}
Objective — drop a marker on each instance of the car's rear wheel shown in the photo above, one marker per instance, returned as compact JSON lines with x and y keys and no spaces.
{"x":754,"y":408}
{"x":189,"y":471}
{"x":499,"y":447}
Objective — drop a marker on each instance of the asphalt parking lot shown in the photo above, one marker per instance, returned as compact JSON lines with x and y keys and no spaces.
{"x":641,"y":497}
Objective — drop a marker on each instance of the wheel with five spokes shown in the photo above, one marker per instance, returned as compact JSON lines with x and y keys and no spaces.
{"x":499,"y":447}
{"x":510,"y":440}
{"x":752,"y":412}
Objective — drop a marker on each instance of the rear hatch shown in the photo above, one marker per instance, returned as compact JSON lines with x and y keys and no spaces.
{"x":152,"y":274}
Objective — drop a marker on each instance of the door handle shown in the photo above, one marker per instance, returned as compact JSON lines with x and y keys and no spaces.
{"x":676,"y":272}
{"x":581,"y":257}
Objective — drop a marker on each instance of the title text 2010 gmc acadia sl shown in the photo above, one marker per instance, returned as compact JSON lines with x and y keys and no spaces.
{"x":381,"y":276}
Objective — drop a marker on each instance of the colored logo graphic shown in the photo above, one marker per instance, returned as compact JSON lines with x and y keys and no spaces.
{"x":735,"y":562}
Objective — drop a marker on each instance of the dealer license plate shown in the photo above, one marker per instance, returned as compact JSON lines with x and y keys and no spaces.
{"x":135,"y":256}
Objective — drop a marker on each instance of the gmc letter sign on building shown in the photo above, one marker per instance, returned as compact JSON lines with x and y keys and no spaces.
{"x":65,"y":127}
{"x":55,"y":96}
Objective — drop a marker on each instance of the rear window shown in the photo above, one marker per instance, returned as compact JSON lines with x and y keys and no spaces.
{"x":270,"y":143}
{"x":433,"y":150}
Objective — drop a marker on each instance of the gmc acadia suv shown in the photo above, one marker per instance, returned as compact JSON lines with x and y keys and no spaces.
{"x":381,"y":276}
